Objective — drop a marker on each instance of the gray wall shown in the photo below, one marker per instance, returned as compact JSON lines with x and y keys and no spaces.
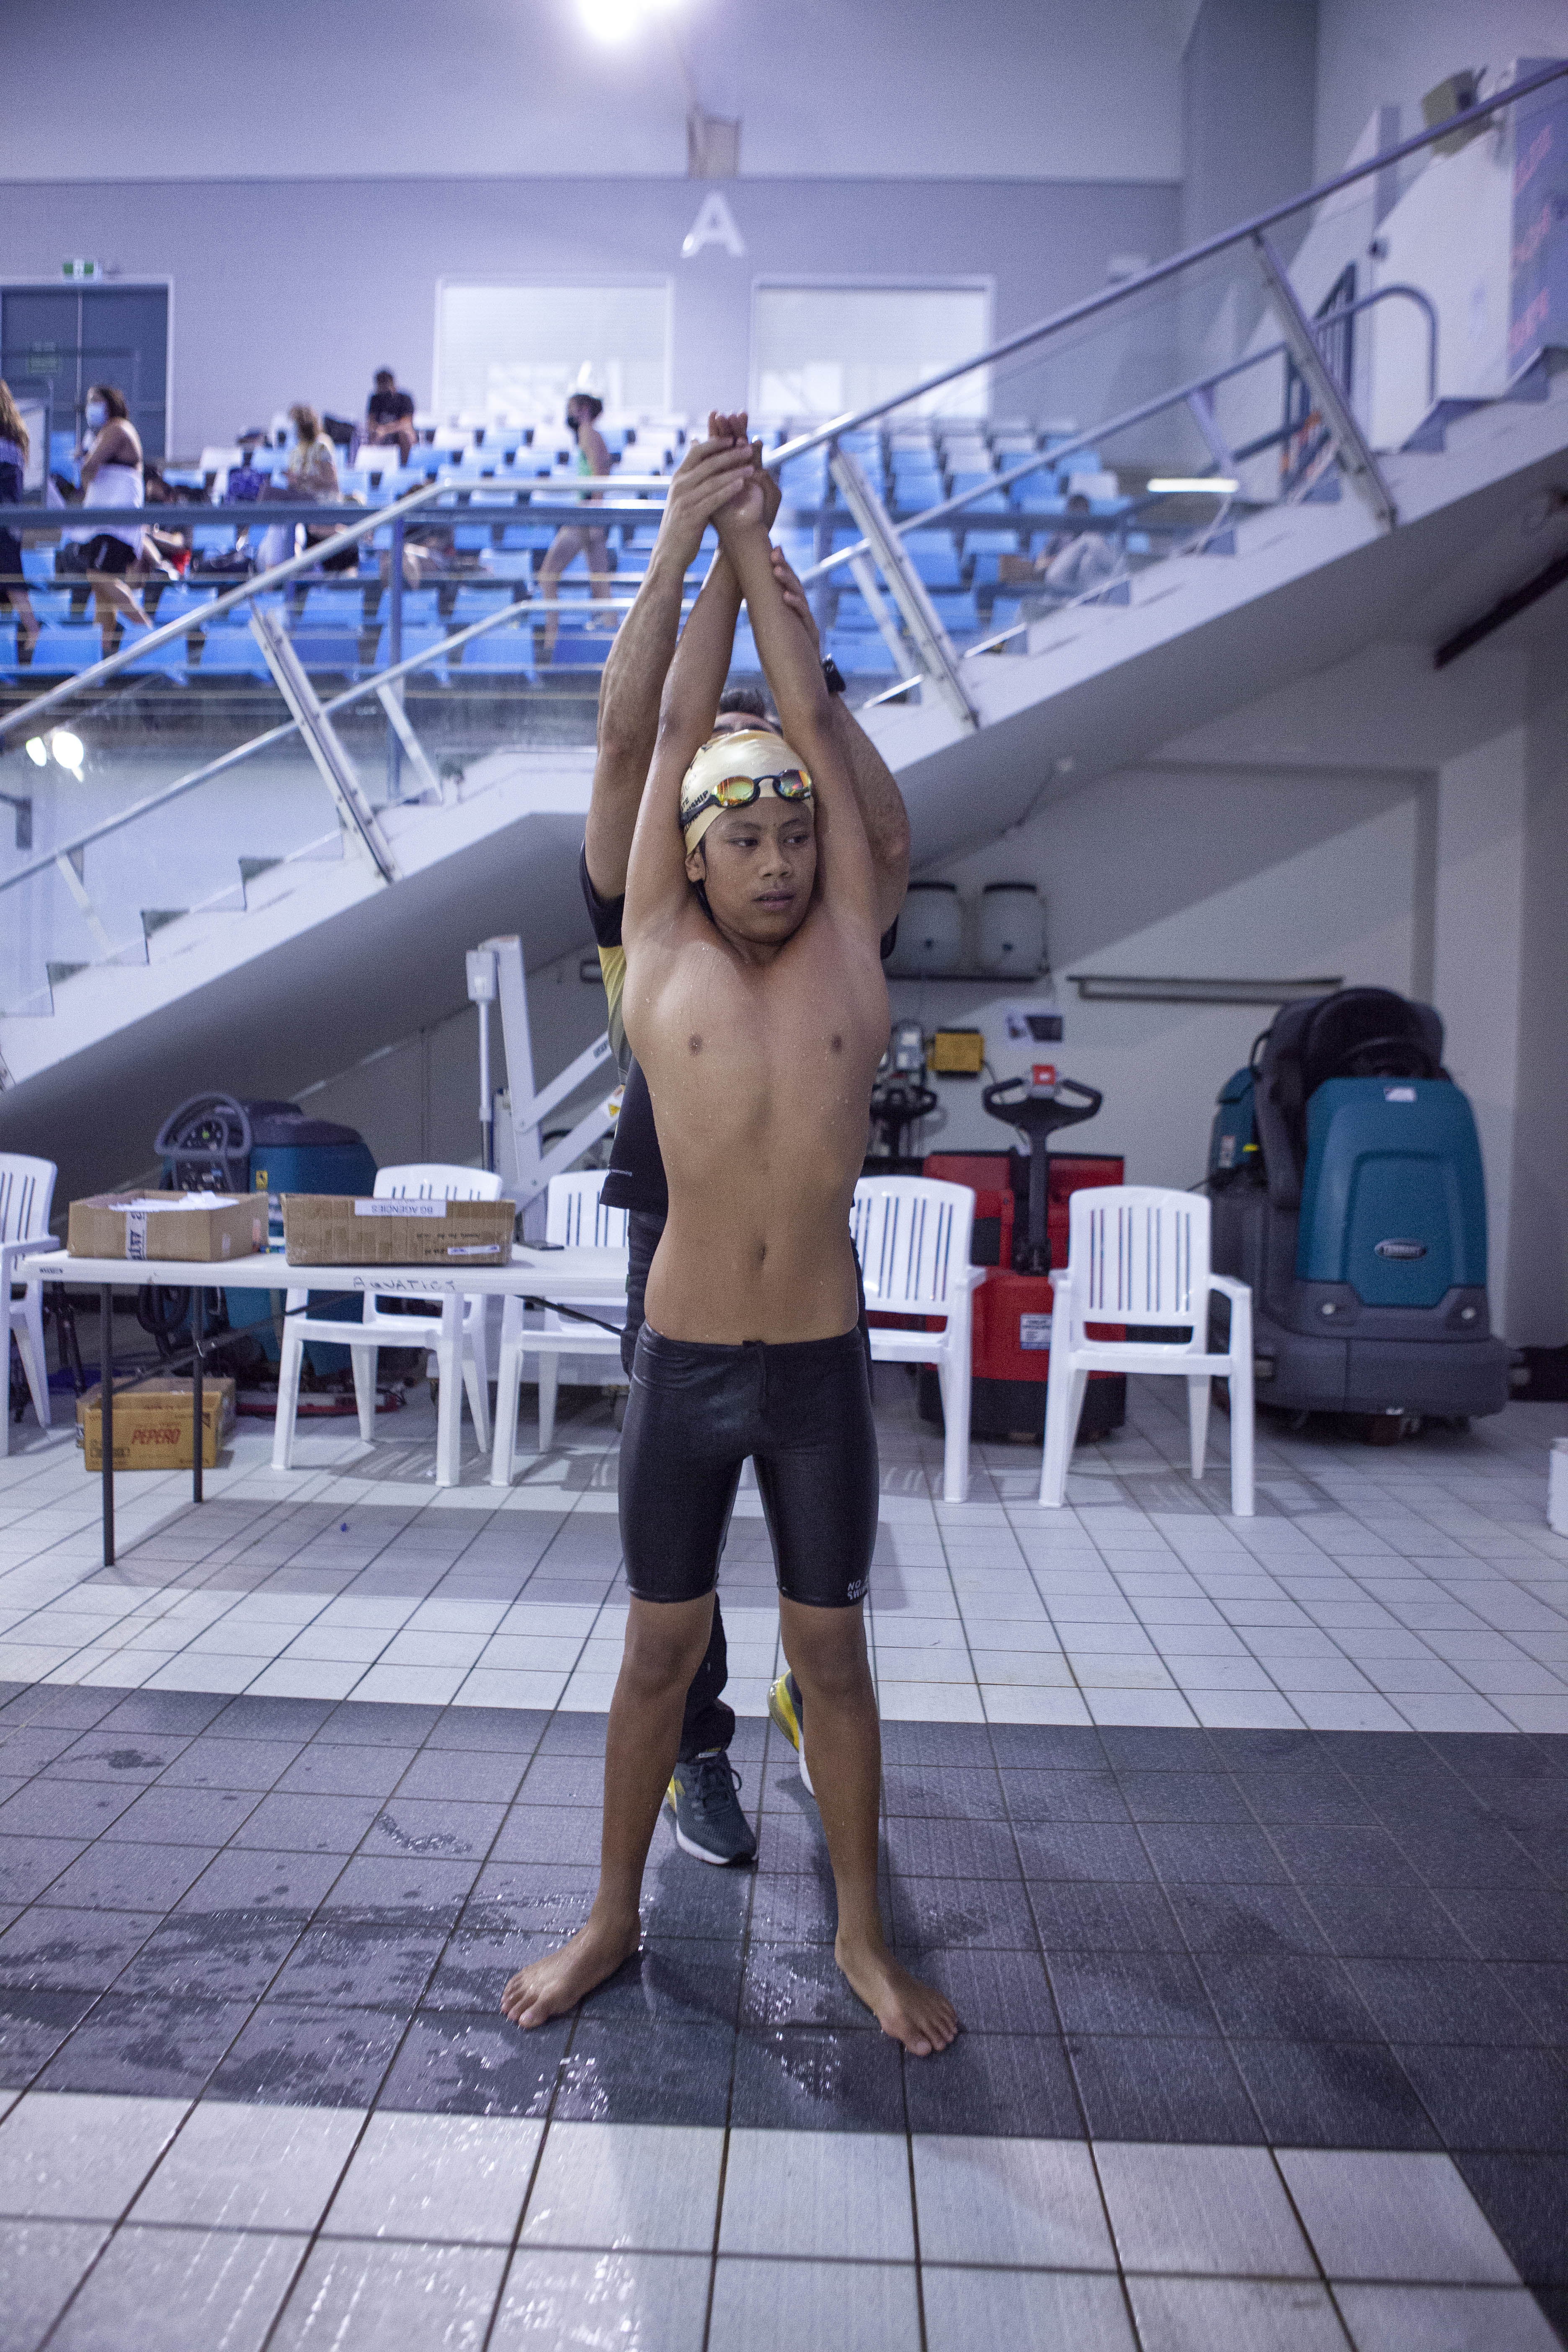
{"x":1247,"y":102}
{"x":886,"y":89}
{"x":298,"y":290}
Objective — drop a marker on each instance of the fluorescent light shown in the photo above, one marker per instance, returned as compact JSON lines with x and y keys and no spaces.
{"x":37,"y":751}
{"x":1175,"y":486}
{"x":611,"y":20}
{"x":68,"y":749}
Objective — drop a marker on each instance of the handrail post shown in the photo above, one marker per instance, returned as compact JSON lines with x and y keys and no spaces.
{"x":905,"y":586}
{"x":395,"y":649}
{"x":1353,"y":450}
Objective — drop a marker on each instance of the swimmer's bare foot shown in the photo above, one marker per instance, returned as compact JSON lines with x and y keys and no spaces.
{"x":914,"y":2013}
{"x":560,"y":1981}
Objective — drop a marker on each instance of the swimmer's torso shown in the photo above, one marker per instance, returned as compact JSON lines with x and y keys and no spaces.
{"x":760,"y":1080}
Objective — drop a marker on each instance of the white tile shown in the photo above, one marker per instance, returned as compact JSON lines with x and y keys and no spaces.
{"x":78,"y":2155}
{"x":824,"y":2194}
{"x":1016,"y":2202}
{"x":1201,"y":2315}
{"x":457,"y":2178}
{"x":1024,"y":2311}
{"x":40,"y":2264}
{"x":827,"y":2306}
{"x":417,"y":2298}
{"x":305,"y":1678}
{"x":244,"y":2168}
{"x":1212,"y":2210}
{"x":154,"y":2289}
{"x":652,"y":2185}
{"x":410,"y":1685}
{"x":1445,"y":2319}
{"x":630,"y":2300}
{"x":508,"y":1688}
{"x":1374,"y":2216}
{"x":1031,"y":1703}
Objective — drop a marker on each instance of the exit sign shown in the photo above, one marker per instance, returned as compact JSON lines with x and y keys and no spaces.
{"x":81,"y":270}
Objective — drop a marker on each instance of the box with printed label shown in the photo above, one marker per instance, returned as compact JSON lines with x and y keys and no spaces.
{"x":200,"y":1227}
{"x":330,"y":1229}
{"x":152,"y":1424}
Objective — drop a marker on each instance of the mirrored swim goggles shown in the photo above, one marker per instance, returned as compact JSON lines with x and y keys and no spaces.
{"x":715,"y":794}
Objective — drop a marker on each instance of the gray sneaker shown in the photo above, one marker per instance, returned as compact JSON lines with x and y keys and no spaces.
{"x":708,"y":1823}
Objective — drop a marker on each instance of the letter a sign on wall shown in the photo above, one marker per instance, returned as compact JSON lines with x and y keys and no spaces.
{"x":714,"y":224}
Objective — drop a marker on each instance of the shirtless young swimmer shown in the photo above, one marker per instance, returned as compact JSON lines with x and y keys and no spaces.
{"x":755,"y":1003}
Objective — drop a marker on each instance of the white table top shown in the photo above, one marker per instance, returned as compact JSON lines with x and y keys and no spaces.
{"x":576,"y":1273}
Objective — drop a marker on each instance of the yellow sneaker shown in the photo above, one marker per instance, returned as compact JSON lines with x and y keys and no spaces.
{"x":787,"y":1710}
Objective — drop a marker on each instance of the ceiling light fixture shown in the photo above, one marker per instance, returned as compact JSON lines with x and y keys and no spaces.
{"x":1176,"y":485}
{"x":68,"y":749}
{"x":37,"y":751}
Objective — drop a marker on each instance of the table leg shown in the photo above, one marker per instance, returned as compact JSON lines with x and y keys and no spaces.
{"x":106,"y":1412}
{"x":198,"y":1302}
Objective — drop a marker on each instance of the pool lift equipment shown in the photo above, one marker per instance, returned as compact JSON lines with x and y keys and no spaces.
{"x":512,"y":1118}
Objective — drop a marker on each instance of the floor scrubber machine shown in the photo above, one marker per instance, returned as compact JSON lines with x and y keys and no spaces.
{"x":213,"y":1143}
{"x":1345,"y":1174}
{"x":1012,"y":1310}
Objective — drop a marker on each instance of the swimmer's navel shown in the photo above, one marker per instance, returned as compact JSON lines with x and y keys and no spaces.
{"x":695,"y":1043}
{"x":839,"y":1045}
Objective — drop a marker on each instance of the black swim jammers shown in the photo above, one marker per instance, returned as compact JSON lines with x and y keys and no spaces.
{"x":802,"y":1411}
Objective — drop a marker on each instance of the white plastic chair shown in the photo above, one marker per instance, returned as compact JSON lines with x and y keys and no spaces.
{"x":26,"y":1196}
{"x":575,"y":1218}
{"x":455,"y":1333}
{"x":912,"y":1236}
{"x":1137,"y":1254}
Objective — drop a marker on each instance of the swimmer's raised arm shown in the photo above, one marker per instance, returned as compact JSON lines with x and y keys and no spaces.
{"x":657,"y":889}
{"x":876,"y":793}
{"x":639,"y":660}
{"x":847,"y":879}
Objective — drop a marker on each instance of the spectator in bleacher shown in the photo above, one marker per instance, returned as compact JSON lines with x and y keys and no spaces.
{"x":313,"y":473}
{"x":389,"y":415}
{"x":15,"y":444}
{"x":111,"y":477}
{"x":1077,"y":560}
{"x":576,"y":539}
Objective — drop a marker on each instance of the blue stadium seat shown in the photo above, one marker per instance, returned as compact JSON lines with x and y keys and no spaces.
{"x":991,"y":542}
{"x":208,"y":536}
{"x":519,"y":535}
{"x":1038,"y":494}
{"x":175,"y":603}
{"x":37,"y":565}
{"x":331,"y":650}
{"x":63,"y":651}
{"x":52,"y":605}
{"x":935,"y":558}
{"x":516,"y":565}
{"x":853,"y":611}
{"x":420,"y":607}
{"x":9,"y":665}
{"x":581,"y":648}
{"x":477,"y":604}
{"x":171,"y":661}
{"x":415,"y":640}
{"x":957,"y":613}
{"x":860,"y":655}
{"x":232,"y":652}
{"x":508,"y":650}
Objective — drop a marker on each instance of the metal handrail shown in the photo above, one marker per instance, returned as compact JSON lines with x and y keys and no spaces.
{"x":1126,"y":288}
{"x":394,"y":675}
{"x":371,"y":520}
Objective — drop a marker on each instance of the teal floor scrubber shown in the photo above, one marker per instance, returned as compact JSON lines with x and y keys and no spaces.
{"x":1345,"y":1173}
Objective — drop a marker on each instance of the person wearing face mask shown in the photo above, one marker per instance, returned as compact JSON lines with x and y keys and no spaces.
{"x":111,"y":477}
{"x":575,"y":539}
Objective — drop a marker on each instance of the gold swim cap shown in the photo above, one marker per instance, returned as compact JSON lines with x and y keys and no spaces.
{"x":753,"y":763}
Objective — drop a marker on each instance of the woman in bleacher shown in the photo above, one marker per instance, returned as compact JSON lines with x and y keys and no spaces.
{"x":575,"y":539}
{"x":111,"y":477}
{"x":15,"y":444}
{"x":313,"y":474}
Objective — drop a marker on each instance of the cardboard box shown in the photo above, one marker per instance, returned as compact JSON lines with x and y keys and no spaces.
{"x":152,"y":1424}
{"x":203,"y":1227}
{"x":330,"y":1229}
